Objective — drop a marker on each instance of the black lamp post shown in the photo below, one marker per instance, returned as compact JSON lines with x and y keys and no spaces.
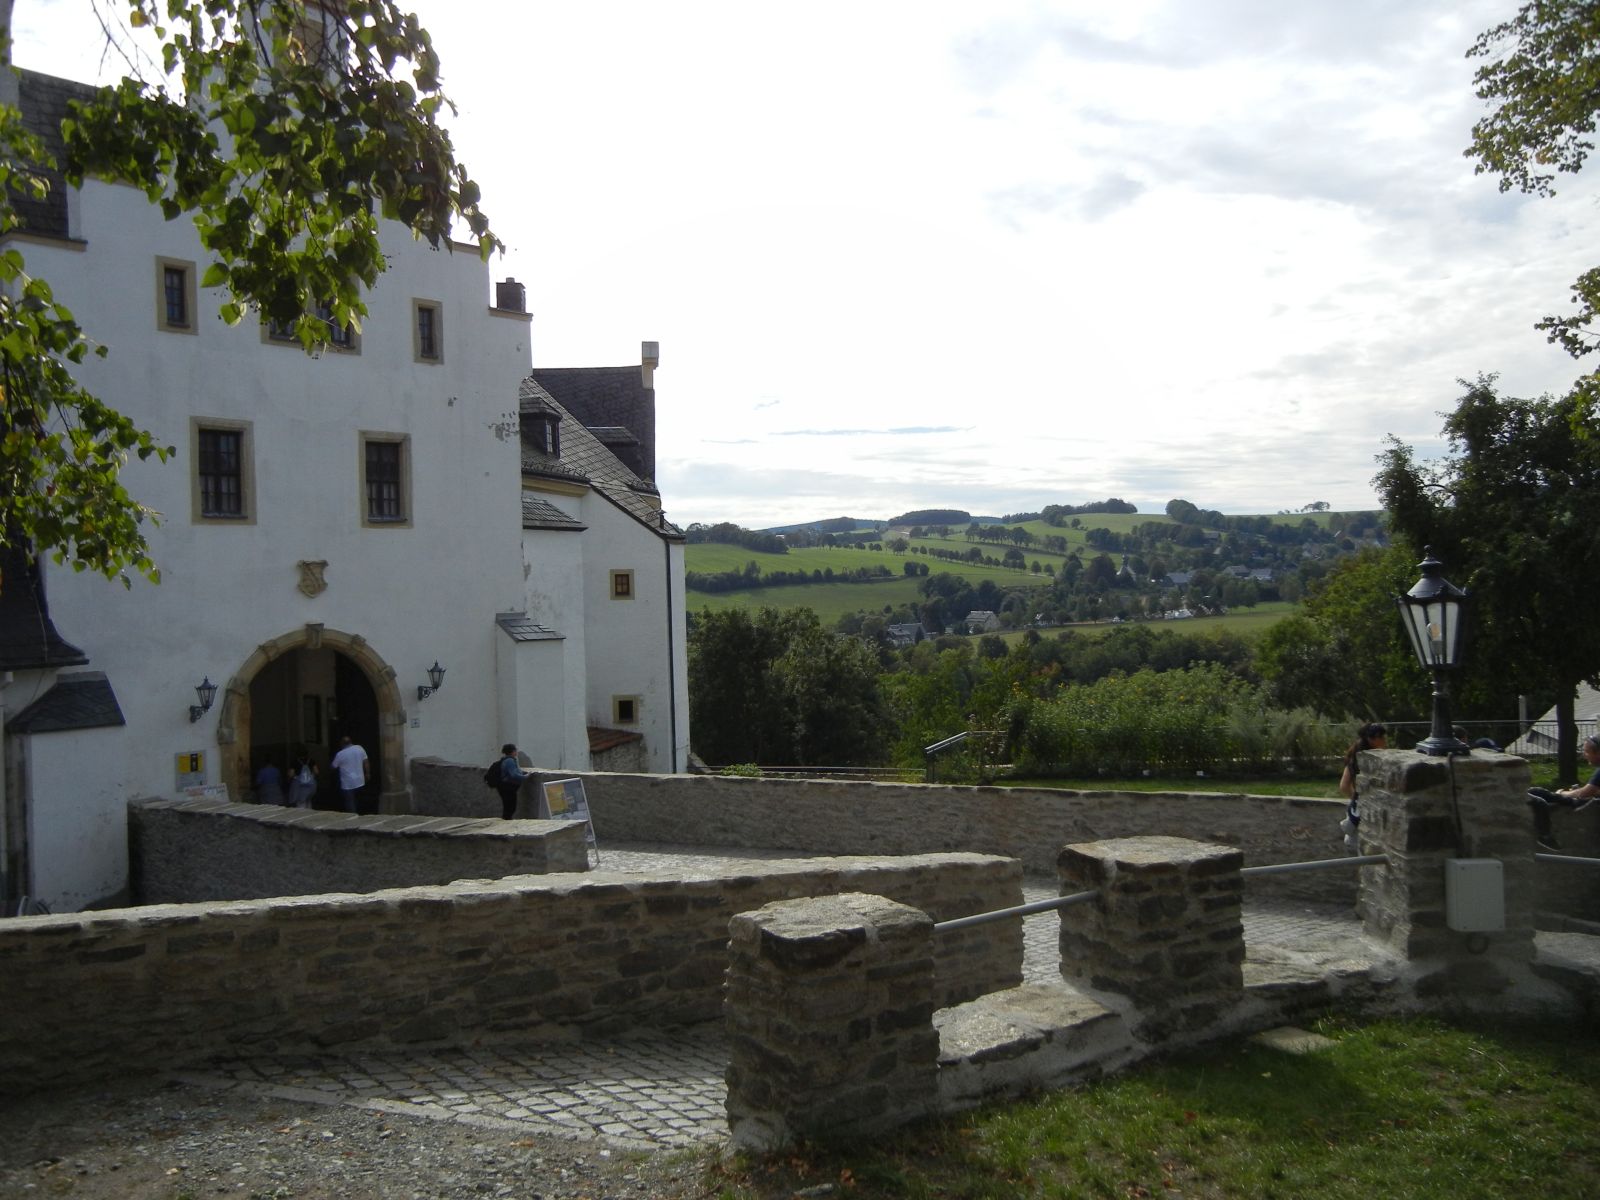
{"x":1433,"y":613}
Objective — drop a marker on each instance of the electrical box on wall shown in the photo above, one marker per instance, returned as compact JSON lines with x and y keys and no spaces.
{"x":1475,"y":895}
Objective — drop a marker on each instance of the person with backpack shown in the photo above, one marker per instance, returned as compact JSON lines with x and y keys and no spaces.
{"x":302,"y":780}
{"x":505,"y":776}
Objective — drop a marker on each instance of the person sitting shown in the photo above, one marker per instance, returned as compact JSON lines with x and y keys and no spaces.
{"x":1543,"y":800}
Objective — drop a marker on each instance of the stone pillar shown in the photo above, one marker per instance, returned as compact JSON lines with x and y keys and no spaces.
{"x":829,"y":1005}
{"x":1418,"y":811}
{"x":1166,"y":932}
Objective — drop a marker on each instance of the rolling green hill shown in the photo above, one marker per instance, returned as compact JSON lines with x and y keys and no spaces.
{"x":713,"y":557}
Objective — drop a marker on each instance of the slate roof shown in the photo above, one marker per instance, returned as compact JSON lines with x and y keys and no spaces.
{"x":541,"y":514}
{"x":583,"y":459}
{"x":79,"y":700}
{"x":609,"y":396}
{"x":43,"y":102}
{"x":28,"y":637}
{"x":517,"y":626}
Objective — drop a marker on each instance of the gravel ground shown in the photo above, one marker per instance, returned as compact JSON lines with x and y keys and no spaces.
{"x":172,"y":1140}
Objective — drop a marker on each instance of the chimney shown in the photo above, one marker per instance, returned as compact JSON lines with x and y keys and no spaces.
{"x":511,"y":296}
{"x":649,"y":360}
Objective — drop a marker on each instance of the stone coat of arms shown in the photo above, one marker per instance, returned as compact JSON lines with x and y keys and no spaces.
{"x":311,"y":581}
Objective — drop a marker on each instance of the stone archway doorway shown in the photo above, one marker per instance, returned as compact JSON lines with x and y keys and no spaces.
{"x":309,"y":688}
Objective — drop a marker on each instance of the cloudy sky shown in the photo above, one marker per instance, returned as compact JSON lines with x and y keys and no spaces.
{"x":996,"y":256}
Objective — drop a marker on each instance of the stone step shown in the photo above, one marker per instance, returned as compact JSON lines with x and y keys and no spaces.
{"x":1039,"y":1035}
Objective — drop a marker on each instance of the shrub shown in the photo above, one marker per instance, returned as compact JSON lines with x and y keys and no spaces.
{"x":1202,"y":718}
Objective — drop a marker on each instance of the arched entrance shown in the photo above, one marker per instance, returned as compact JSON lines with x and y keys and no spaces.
{"x":309,"y":688}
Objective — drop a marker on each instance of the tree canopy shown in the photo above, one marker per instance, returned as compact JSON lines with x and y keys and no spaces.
{"x":780,"y":690}
{"x":285,"y":131}
{"x":1541,"y":78}
{"x":1511,"y":512}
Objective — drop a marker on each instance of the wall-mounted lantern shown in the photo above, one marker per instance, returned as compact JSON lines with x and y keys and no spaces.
{"x":435,"y":681}
{"x":207,"y":691}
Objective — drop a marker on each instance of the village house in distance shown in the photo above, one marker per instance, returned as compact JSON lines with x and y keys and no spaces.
{"x":412,"y":538}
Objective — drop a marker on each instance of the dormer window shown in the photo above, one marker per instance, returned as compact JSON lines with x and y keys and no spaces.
{"x":543,"y":430}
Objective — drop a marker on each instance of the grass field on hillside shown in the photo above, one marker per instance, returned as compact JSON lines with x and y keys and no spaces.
{"x":829,"y":601}
{"x":713,"y":557}
{"x":832,"y":600}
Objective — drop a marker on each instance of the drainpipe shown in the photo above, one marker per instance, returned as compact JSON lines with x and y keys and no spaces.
{"x":672,"y":681}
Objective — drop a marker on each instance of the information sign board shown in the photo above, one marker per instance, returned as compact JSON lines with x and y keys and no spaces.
{"x":565,"y":800}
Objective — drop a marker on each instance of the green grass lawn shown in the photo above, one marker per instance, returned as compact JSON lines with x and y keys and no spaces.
{"x":1418,"y":1108}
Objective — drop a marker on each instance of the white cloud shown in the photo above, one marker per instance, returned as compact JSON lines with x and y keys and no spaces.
{"x":1143,"y":248}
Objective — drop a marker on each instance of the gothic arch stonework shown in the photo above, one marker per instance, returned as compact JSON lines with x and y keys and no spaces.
{"x":233,"y":721}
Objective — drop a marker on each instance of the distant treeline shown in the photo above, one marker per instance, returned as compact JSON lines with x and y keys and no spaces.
{"x":754,"y":577}
{"x":736,"y":535}
{"x":1057,"y":514}
{"x":933,"y":516}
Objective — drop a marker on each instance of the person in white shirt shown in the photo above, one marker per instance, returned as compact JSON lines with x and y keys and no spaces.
{"x":354,"y":771}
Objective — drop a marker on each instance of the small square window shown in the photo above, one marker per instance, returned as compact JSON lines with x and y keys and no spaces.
{"x":385,"y":479}
{"x":622,"y":585}
{"x":223,"y":481}
{"x":427,"y":331}
{"x":175,"y":295}
{"x":624,"y":710}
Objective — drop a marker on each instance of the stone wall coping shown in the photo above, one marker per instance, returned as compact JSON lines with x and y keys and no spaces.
{"x":590,"y":884}
{"x":340,"y":823}
{"x":1156,"y":851}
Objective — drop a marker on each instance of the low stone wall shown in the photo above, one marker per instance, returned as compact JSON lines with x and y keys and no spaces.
{"x":851,"y":817}
{"x":186,"y":850}
{"x":529,"y":958}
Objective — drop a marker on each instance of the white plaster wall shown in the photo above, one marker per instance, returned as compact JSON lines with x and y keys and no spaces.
{"x":554,"y":565}
{"x":424,"y":592}
{"x":78,"y":838}
{"x":544,"y":726}
{"x":628,"y":650}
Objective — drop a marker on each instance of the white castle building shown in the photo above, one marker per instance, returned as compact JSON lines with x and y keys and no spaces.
{"x":332,"y":526}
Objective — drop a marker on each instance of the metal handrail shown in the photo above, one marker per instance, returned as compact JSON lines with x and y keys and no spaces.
{"x":1056,"y":902}
{"x":946,"y":743}
{"x":1021,"y":910}
{"x":1575,"y":860}
{"x":931,"y":753}
{"x":1319,"y":864}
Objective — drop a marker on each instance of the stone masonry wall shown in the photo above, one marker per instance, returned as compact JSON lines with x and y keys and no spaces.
{"x":185,"y":850}
{"x":849,"y":817}
{"x":91,"y":994}
{"x":830,"y":1008}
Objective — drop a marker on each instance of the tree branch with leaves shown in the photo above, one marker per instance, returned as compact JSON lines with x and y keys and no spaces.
{"x":287,"y":132}
{"x":1541,"y":77}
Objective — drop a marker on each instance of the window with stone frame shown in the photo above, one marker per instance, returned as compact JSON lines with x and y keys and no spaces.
{"x":385,"y":479}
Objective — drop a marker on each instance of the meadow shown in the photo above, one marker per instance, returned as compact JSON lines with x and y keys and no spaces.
{"x":830,"y":601}
{"x":1414,"y":1107}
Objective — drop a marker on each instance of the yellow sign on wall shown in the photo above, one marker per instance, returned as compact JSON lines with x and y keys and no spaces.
{"x":191,"y":769}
